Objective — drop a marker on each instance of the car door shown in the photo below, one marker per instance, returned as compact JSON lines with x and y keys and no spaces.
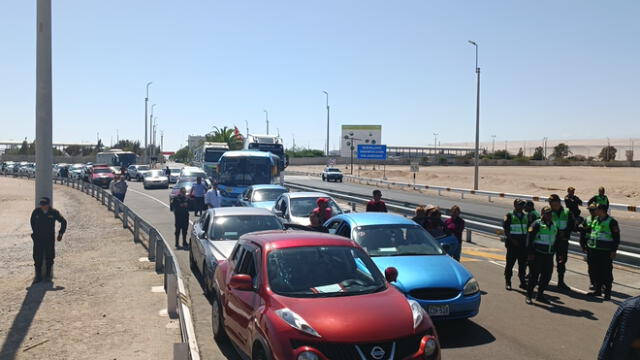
{"x":333,"y":225}
{"x":344,"y":230}
{"x":241,"y":304}
{"x":200,"y":230}
{"x":278,"y":205}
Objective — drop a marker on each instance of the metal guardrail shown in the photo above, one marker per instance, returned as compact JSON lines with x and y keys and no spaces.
{"x":461,"y":191}
{"x":160,"y":252}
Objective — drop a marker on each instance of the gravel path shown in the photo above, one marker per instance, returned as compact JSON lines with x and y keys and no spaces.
{"x":100,"y":304}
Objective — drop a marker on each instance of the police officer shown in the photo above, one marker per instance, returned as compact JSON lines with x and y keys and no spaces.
{"x":600,"y":199}
{"x":515,"y":226}
{"x":563,"y":219}
{"x":542,"y":242}
{"x":573,"y":202}
{"x":603,"y":243}
{"x":584,"y":228}
{"x":532,"y":213}
{"x":180,"y":207}
{"x":43,"y":225}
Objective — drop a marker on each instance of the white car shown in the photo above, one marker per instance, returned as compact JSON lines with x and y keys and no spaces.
{"x":174,"y":174}
{"x":295,"y":207}
{"x":135,"y":172}
{"x":191,"y":173}
{"x":155,"y":179}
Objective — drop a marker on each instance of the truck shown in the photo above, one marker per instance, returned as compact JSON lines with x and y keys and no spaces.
{"x":207,"y":155}
{"x":268,"y":143}
{"x":117,"y":158}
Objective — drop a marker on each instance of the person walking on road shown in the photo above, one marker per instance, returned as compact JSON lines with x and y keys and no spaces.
{"x":198,"y":190}
{"x":180,"y":206}
{"x":167,"y":171}
{"x":564,"y":221}
{"x":532,"y":213}
{"x":376,"y":205}
{"x":573,"y":202}
{"x":455,"y":225}
{"x":542,"y":242}
{"x":584,"y":229}
{"x":600,"y":199}
{"x":212,"y":198}
{"x":119,"y":188}
{"x":43,"y":225}
{"x":603,"y":244}
{"x":515,"y":226}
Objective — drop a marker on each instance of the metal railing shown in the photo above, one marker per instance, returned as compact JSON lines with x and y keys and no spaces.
{"x":158,"y":251}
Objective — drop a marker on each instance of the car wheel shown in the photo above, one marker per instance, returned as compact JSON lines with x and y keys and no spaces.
{"x":217,"y":319}
{"x":192,"y":262}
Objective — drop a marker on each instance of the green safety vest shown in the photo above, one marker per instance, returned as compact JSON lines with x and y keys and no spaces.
{"x":518,"y":225}
{"x":562,"y":219}
{"x":602,"y":200}
{"x":545,"y":238}
{"x":601,"y":237}
{"x":535,"y":214}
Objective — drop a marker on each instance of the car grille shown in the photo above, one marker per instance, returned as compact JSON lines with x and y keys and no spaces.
{"x":434,"y":293}
{"x":335,"y":351}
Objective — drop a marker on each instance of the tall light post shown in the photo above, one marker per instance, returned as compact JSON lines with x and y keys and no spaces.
{"x":493,"y":144}
{"x":266,"y":113}
{"x":477,"y":157}
{"x":328,"y":116}
{"x":435,"y":142}
{"x":44,"y":115}
{"x":246,"y":123}
{"x":146,"y":124}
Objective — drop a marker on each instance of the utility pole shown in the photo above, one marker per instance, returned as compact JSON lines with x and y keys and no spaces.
{"x":146,"y":124}
{"x":117,"y":136}
{"x":435,"y":142}
{"x":493,"y":144}
{"x":161,"y":143}
{"x":44,"y":115}
{"x":266,"y":113}
{"x":328,"y":115}
{"x":477,"y":157}
{"x":247,"y":125}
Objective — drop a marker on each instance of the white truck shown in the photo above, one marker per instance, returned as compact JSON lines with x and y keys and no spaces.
{"x":207,"y":155}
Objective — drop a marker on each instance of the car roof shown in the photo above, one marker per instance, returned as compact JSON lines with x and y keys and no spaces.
{"x":280,"y":239}
{"x":239,"y":210}
{"x":268,"y":186}
{"x":306,"y":194}
{"x":374,"y":218}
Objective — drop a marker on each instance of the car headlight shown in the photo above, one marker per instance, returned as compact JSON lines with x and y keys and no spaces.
{"x":417,"y":311}
{"x":471,"y":287}
{"x":296,"y":321}
{"x":308,"y":355}
{"x":430,"y":346}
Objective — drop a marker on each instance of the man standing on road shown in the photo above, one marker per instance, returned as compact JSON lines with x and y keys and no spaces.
{"x":180,"y":206}
{"x":564,"y":221}
{"x":376,"y":205}
{"x":515,"y":226}
{"x":119,"y":188}
{"x":532,"y":213}
{"x":542,"y":242}
{"x":212,"y":198}
{"x":584,"y":228}
{"x":573,"y":202}
{"x":198,"y":190}
{"x":600,"y":199}
{"x":603,"y":243}
{"x":43,"y":225}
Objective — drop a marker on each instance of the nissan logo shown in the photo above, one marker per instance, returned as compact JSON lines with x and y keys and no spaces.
{"x":377,"y":352}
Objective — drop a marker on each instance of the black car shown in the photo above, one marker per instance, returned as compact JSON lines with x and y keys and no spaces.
{"x":331,"y":174}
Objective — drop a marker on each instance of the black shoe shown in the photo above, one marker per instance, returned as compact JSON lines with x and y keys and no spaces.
{"x":543,"y":299}
{"x":36,"y":279}
{"x":592,"y":287}
{"x":528,"y":301}
{"x":508,"y":287}
{"x":177,"y":246}
{"x":595,"y":293}
{"x":523,"y":286}
{"x":607,"y":296}
{"x":185,"y":246}
{"x":563,"y":286}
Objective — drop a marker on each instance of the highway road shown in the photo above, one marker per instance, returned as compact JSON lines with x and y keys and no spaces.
{"x":572,"y":327}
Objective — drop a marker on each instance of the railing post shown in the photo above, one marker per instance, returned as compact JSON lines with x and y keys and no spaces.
{"x":468,"y":235}
{"x":109,"y":201}
{"x":152,"y":244}
{"x":116,"y":208}
{"x":172,"y":298}
{"x":125,"y":220}
{"x":439,"y":192}
{"x":136,"y":229}
{"x":353,"y":206}
{"x":159,"y":254}
{"x":103,"y":194}
{"x":461,"y":195}
{"x":490,"y":198}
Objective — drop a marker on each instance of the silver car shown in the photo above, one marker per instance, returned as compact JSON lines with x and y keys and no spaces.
{"x":155,"y":179}
{"x":296,"y":207}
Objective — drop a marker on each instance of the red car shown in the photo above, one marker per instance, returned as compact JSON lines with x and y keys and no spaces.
{"x":101,"y":175}
{"x":292,"y":295}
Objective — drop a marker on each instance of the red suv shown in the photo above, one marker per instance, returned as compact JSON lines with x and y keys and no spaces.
{"x":292,"y":295}
{"x":101,"y":175}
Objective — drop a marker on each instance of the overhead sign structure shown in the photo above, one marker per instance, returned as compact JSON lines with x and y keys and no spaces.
{"x":372,"y":152}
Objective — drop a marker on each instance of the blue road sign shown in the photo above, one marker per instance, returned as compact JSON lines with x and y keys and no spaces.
{"x":372,"y":152}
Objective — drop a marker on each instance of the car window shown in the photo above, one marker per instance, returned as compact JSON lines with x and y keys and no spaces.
{"x":232,"y":227}
{"x":344,"y":230}
{"x":396,"y":240}
{"x":204,"y":222}
{"x":266,"y":194}
{"x":237,"y":256}
{"x":333,"y":226}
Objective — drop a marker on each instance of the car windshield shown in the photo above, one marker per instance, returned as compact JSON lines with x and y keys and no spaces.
{"x":396,"y":240}
{"x":302,"y":207}
{"x":101,"y":170}
{"x":143,"y":167}
{"x":175,"y":171}
{"x":267,"y":194}
{"x":333,"y":170}
{"x":317,"y":271}
{"x":235,"y":171}
{"x":153,"y":173}
{"x":184,"y":184}
{"x":232,"y":227}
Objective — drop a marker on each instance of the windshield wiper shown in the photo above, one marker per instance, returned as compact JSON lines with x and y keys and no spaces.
{"x":410,"y":254}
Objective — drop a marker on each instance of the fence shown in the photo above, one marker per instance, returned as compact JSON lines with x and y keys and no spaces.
{"x":159,"y":251}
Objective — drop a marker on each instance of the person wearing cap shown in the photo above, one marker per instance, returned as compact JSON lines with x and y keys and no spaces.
{"x":542,"y":242}
{"x":603,"y":243}
{"x":515,"y":227}
{"x":600,"y":199}
{"x":376,"y":205}
{"x":180,"y":208}
{"x":532,"y":213}
{"x":565,"y":222}
{"x":322,"y":213}
{"x":584,"y":228}
{"x":43,"y":225}
{"x":573,"y":202}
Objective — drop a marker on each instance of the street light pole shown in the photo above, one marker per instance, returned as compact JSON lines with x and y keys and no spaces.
{"x":44,"y":114}
{"x":493,"y":144}
{"x":435,"y":142}
{"x":247,"y":125}
{"x":477,"y":156}
{"x":146,"y":124}
{"x":328,"y":116}
{"x":267,"y":119}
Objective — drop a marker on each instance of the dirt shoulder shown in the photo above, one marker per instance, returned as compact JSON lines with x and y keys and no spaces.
{"x":100,"y":304}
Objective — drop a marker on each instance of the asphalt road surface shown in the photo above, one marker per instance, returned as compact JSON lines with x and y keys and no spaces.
{"x":572,"y":327}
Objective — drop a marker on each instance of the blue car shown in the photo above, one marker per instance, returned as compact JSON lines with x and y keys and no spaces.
{"x":261,"y":196}
{"x":426,"y":274}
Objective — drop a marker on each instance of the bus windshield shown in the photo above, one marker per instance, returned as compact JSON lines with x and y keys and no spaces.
{"x":213,"y":155}
{"x":236,"y":171}
{"x":124,"y":159}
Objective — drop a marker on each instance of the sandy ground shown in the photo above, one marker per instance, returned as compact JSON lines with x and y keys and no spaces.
{"x":100,"y":304}
{"x":622,"y":184}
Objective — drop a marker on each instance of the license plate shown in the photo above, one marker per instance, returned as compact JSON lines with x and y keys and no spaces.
{"x":438,"y":310}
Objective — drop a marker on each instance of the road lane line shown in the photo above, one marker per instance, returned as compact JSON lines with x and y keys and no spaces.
{"x":483,"y":254}
{"x":154,"y":199}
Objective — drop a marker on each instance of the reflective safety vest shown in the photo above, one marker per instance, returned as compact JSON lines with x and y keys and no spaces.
{"x":601,"y":237}
{"x":561,"y":220}
{"x":602,"y":200}
{"x":533,"y":215}
{"x":518,"y":225}
{"x":545,"y":238}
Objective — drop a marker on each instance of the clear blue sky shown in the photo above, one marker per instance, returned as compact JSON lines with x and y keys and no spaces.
{"x":562,"y":69}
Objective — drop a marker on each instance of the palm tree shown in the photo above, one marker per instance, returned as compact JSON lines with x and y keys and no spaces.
{"x":226,"y":135}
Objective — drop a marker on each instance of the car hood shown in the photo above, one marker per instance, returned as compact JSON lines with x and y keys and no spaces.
{"x":221,"y":249}
{"x":355,"y":319}
{"x":263,"y":204}
{"x":414,"y":272}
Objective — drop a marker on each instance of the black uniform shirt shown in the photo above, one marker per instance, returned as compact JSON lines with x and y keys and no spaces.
{"x":44,"y":224}
{"x":533,"y":232}
{"x":180,"y":205}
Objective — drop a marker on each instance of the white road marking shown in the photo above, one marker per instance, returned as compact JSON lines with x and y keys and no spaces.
{"x":157,"y":289}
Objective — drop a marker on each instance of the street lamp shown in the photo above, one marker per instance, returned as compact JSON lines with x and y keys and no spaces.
{"x":493,"y":144}
{"x":328,"y":112}
{"x":146,"y":124}
{"x":151,"y":139}
{"x":435,"y":142}
{"x":44,"y":155}
{"x":477,"y":156}
{"x":351,"y":144}
{"x":266,"y":113}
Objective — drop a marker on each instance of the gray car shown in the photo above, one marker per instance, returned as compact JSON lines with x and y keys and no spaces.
{"x":134,"y":172}
{"x":295,"y":207}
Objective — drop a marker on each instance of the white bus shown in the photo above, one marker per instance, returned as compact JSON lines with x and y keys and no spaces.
{"x":207,"y":155}
{"x":116,"y":157}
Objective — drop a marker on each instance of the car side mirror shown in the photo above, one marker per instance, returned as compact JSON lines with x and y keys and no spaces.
{"x":391,"y":274}
{"x":242,"y":282}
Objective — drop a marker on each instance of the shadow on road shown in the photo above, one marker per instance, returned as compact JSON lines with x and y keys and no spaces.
{"x":462,"y":333}
{"x":22,"y":322}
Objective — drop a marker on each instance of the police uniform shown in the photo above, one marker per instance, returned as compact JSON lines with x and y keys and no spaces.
{"x":564,"y":220}
{"x":599,"y":200}
{"x":43,"y":225}
{"x":584,"y":229}
{"x":180,"y":207}
{"x":515,"y":227}
{"x":602,"y":243}
{"x":532,"y":213}
{"x":542,"y":243}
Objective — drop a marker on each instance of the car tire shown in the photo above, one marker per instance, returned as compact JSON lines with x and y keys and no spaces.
{"x":217,"y":319}
{"x":192,"y":262}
